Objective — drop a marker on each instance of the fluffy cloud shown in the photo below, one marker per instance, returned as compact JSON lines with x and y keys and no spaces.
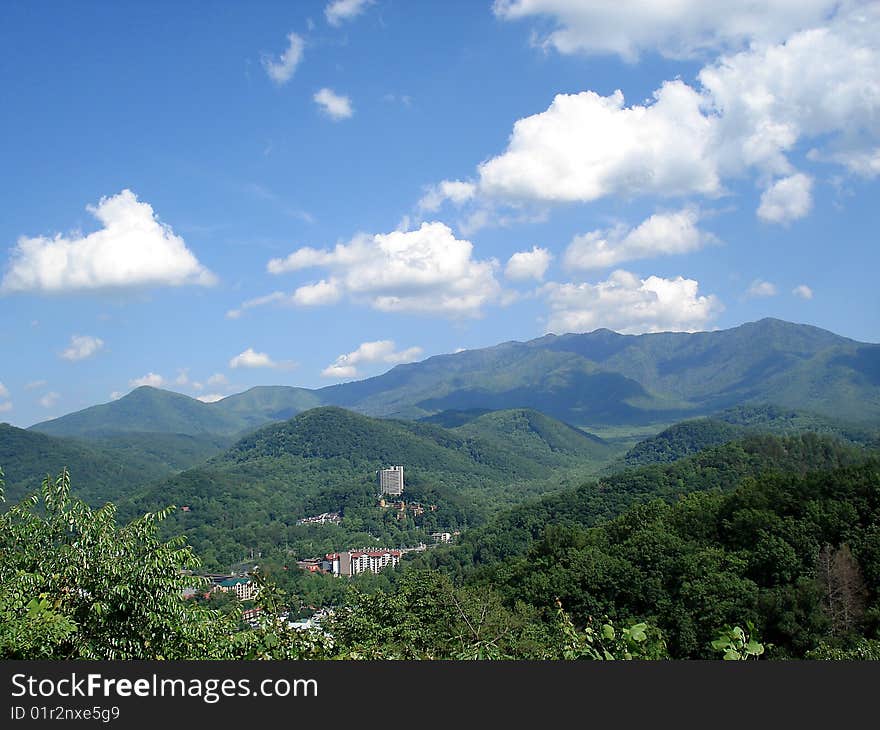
{"x":675,"y":29}
{"x":660,"y":235}
{"x":761,"y":288}
{"x":424,"y":270}
{"x":528,"y":264}
{"x":4,"y":391}
{"x":587,"y":146}
{"x":315,"y":295}
{"x":132,"y":249}
{"x":787,"y":199}
{"x":457,"y":191}
{"x":628,"y":304}
{"x":33,"y":385}
{"x":50,"y":399}
{"x":341,"y":10}
{"x":747,"y":113}
{"x":151,"y":379}
{"x":822,"y":84}
{"x":82,"y":347}
{"x":251,"y":359}
{"x":802,"y":291}
{"x":282,"y":70}
{"x":379,"y":351}
{"x":333,"y":105}
{"x":210,"y":398}
{"x":6,"y":406}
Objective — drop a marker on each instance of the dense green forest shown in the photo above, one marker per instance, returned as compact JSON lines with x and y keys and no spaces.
{"x":689,"y":437}
{"x":764,"y":563}
{"x":247,"y":500}
{"x":712,"y":538}
{"x":780,"y":532}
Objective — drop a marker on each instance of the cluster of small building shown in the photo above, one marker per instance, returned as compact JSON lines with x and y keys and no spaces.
{"x":414,"y":508}
{"x":332,"y":518}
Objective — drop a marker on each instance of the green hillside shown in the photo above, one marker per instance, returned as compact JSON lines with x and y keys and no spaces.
{"x":26,"y":457}
{"x":753,"y":554}
{"x":720,"y":468}
{"x":145,"y":409}
{"x":263,"y":404}
{"x":534,"y":435}
{"x":689,"y":437}
{"x":170,"y":452}
{"x":325,"y":459}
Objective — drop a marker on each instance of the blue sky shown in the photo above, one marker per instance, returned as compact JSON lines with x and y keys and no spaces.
{"x":210,"y":197}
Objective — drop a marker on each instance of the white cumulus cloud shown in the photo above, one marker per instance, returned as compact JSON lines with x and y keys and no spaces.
{"x":528,"y":264}
{"x":662,"y":234}
{"x":816,"y":82}
{"x":457,"y":191}
{"x":787,"y":199}
{"x":318,"y":294}
{"x":82,"y":347}
{"x":802,"y":291}
{"x":424,"y":270}
{"x":4,"y":391}
{"x":341,"y":10}
{"x":761,"y":288}
{"x":282,"y":69}
{"x":132,"y":249}
{"x":251,"y":359}
{"x":586,"y":146}
{"x":151,"y":379}
{"x":335,"y":106}
{"x":628,"y":304}
{"x":675,"y":29}
{"x":6,"y":406}
{"x":379,"y":351}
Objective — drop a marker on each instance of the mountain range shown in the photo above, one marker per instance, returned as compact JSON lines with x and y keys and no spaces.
{"x":592,"y":379}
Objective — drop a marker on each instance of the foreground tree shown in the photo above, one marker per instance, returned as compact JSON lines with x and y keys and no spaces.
{"x":94,"y":590}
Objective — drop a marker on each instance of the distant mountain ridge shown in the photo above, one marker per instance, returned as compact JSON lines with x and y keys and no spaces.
{"x":590,"y":379}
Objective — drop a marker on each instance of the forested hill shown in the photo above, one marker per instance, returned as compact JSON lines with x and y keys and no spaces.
{"x":27,"y":457}
{"x":692,"y":436}
{"x":719,"y":468}
{"x":531,"y":433}
{"x":325,"y":459}
{"x":145,"y":409}
{"x":780,"y":532}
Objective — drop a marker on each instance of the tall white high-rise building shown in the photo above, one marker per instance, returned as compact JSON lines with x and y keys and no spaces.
{"x":391,"y":481}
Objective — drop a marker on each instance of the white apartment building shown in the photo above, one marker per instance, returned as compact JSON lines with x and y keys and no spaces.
{"x":360,"y":561}
{"x":391,"y":481}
